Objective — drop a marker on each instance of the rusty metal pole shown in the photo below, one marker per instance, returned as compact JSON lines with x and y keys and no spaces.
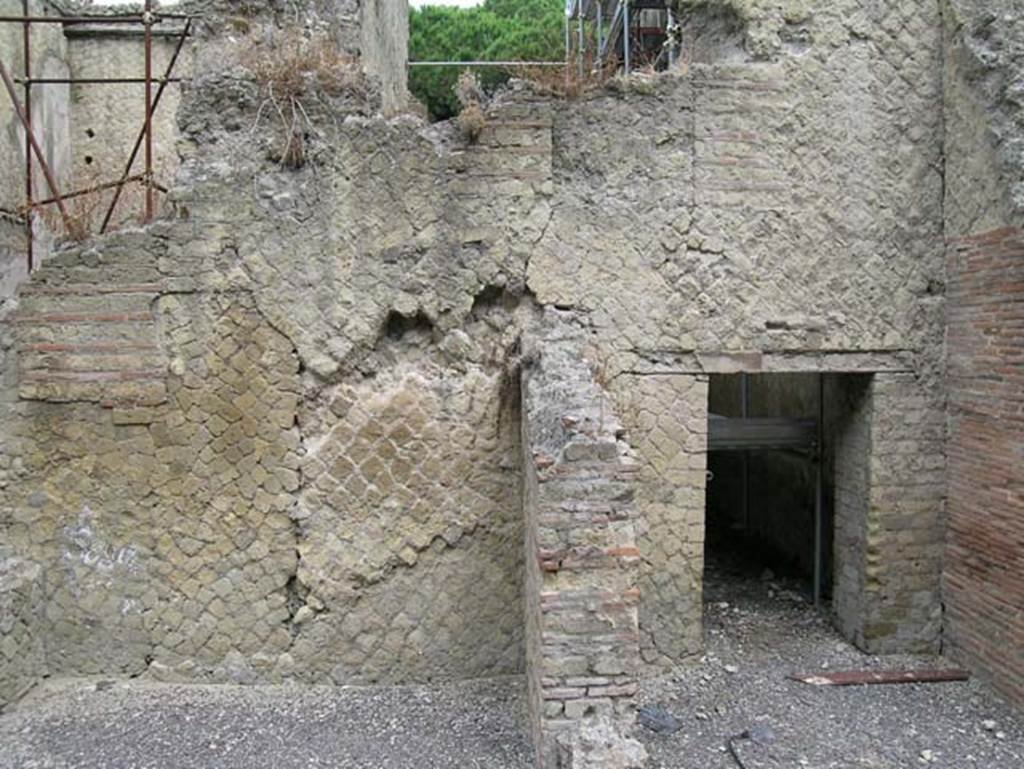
{"x":142,"y":134}
{"x":43,"y":165}
{"x":568,"y":46}
{"x":27,"y":52}
{"x":148,"y":21}
{"x":88,"y":190}
{"x":819,"y":490}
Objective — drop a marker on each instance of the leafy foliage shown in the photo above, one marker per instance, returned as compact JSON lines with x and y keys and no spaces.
{"x":497,"y":30}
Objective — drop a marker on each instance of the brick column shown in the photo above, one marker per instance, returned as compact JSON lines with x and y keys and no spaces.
{"x":582,"y":561}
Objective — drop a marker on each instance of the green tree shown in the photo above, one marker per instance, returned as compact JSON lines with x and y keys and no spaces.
{"x":497,"y":30}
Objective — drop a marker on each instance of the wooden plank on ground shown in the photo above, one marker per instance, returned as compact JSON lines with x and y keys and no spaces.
{"x":863,"y":677}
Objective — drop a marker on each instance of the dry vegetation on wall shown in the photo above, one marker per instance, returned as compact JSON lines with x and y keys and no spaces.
{"x":295,"y":73}
{"x":571,"y":80}
{"x":86,"y":211}
{"x":566,"y":81}
{"x":471,"y":96}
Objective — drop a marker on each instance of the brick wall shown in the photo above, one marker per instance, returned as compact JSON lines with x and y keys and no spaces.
{"x":848,"y":451}
{"x":582,"y":560}
{"x":984,"y":575}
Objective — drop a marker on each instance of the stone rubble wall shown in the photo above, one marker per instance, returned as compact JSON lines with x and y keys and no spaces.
{"x":21,"y":645}
{"x":582,"y":559}
{"x":219,"y":468}
{"x":217,"y":500}
{"x":782,"y":209}
{"x":984,"y":95}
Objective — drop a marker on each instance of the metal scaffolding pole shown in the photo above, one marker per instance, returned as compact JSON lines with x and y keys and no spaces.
{"x":142,"y":134}
{"x":819,"y":483}
{"x":148,"y":21}
{"x":671,"y":39}
{"x":745,"y":456}
{"x":100,"y":20}
{"x":90,"y":80}
{"x":33,"y":144}
{"x":625,"y":35}
{"x":581,"y":45}
{"x":27,"y":53}
{"x":33,"y":151}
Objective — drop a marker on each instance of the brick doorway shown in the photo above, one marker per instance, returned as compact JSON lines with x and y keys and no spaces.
{"x":788,"y":486}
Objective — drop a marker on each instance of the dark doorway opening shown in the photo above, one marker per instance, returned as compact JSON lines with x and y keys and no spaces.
{"x":766,"y":505}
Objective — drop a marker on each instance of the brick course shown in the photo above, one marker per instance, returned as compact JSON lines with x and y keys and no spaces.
{"x":582,"y":562}
{"x":984,"y":574}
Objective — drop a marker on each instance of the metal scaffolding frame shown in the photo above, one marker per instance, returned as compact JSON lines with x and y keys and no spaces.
{"x":608,"y":20}
{"x":23,"y":109}
{"x":617,"y":35}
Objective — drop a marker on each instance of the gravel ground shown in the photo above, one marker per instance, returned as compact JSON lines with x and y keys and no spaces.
{"x":135,"y":725}
{"x":758,"y":631}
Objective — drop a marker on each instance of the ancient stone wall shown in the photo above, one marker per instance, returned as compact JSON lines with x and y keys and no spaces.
{"x":732,"y":211}
{"x":105,"y":120}
{"x":985,"y":266}
{"x":582,"y":559}
{"x":22,"y":660}
{"x":384,"y":49}
{"x":983,"y":100}
{"x":277,"y":437}
{"x":665,"y":417}
{"x":277,"y":434}
{"x":848,"y":445}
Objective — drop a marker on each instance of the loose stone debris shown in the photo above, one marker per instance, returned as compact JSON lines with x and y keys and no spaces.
{"x":658,"y":720}
{"x":599,"y":744}
{"x":954,"y":725}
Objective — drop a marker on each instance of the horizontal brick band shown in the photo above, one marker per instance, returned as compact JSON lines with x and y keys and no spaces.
{"x":86,"y":317}
{"x":50,"y":375}
{"x":92,"y":288}
{"x":87,"y":348}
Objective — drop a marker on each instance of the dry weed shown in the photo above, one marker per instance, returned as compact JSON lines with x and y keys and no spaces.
{"x":571,"y":80}
{"x":293,"y":72}
{"x":471,"y":96}
{"x":469,"y":90}
{"x":87,"y":208}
